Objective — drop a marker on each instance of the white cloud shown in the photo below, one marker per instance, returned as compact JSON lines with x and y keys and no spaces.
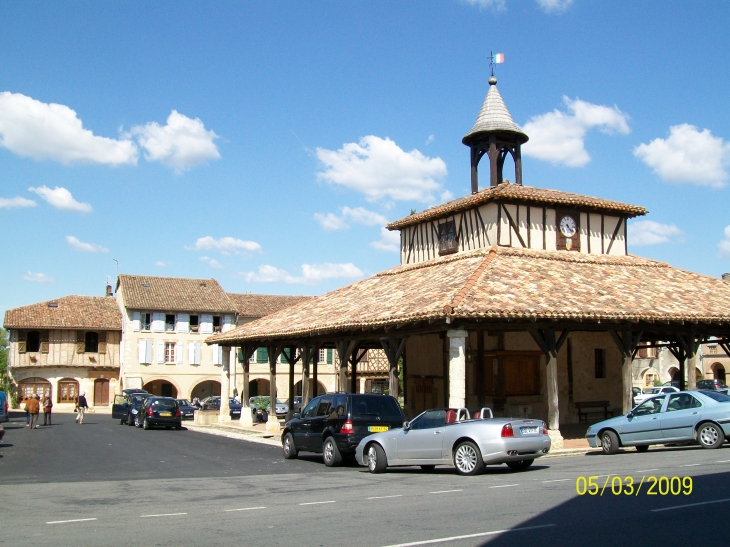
{"x":53,"y":131}
{"x":17,"y":202}
{"x":379,"y":168}
{"x":212,"y":262}
{"x":554,"y":6}
{"x":359,"y":215}
{"x":558,"y":137}
{"x":225,"y":245}
{"x":724,"y":245}
{"x":687,"y":155}
{"x":78,"y":245}
{"x":311,"y":273}
{"x":430,"y":139}
{"x":389,"y":241}
{"x":181,"y":144}
{"x":38,"y":277}
{"x":160,"y":264}
{"x":496,"y":4}
{"x":648,"y":232}
{"x":62,"y":199}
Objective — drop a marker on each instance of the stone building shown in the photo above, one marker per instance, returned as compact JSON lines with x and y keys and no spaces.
{"x":519,"y":298}
{"x":64,"y":347}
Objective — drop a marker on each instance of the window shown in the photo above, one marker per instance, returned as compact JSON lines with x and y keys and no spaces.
{"x":68,"y":390}
{"x":448,"y":242}
{"x":322,"y":355}
{"x":650,"y":406}
{"x":169,"y":323}
{"x":145,"y":321}
{"x":169,"y":352}
{"x":646,"y":353}
{"x":33,"y":341}
{"x":340,"y":405}
{"x":600,"y":362}
{"x":324,"y":406}
{"x":682,"y":401}
{"x":429,"y":420}
{"x":194,"y":323}
{"x":91,"y":342}
{"x":194,"y":353}
{"x":216,"y":323}
{"x":310,"y":409}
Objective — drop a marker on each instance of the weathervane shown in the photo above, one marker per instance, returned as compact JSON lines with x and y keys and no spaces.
{"x":495,"y":59}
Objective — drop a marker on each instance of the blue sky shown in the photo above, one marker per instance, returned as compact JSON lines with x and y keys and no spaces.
{"x":265,"y":144}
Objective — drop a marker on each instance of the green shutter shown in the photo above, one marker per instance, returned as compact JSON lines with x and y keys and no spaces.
{"x":262,"y":355}
{"x":329,"y":356}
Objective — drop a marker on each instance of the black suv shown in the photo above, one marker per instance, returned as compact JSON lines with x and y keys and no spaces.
{"x":334,"y":424}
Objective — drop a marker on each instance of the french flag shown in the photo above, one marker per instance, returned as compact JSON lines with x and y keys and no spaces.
{"x":499,"y":58}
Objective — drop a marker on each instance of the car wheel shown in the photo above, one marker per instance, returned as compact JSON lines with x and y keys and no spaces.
{"x":609,"y":442}
{"x":428,"y":468}
{"x":642,"y":448}
{"x":377,"y":460}
{"x":130,"y":420}
{"x":330,"y":453}
{"x":520,"y":465}
{"x":710,"y":435}
{"x":146,"y":424}
{"x":468,"y":459}
{"x":290,"y":449}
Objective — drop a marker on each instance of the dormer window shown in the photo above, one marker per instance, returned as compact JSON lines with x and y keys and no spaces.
{"x":448,"y":242}
{"x":194,"y":323}
{"x":169,"y":323}
{"x":217,"y":322}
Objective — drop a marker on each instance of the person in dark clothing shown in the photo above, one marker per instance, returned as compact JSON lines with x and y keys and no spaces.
{"x":47,"y":406}
{"x":81,"y":406}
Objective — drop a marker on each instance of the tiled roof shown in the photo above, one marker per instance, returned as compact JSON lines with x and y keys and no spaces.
{"x":70,"y":312}
{"x":504,"y":284}
{"x":142,"y":292}
{"x":494,"y":116}
{"x":513,"y":192}
{"x":258,"y":305}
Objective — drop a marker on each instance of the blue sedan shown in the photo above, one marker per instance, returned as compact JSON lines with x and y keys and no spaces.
{"x":702,"y":416}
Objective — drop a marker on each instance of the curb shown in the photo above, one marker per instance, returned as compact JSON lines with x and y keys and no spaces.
{"x":233,"y":432}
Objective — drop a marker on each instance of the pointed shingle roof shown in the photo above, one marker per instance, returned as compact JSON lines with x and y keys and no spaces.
{"x":494,"y":117}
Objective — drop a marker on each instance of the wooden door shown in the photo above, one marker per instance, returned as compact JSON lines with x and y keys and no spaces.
{"x":425,"y":395}
{"x":101,"y":392}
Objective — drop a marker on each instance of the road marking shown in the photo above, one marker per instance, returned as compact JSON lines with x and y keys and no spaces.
{"x":647,"y":470}
{"x":244,"y":509}
{"x":469,"y":536}
{"x":689,"y":505}
{"x":691,"y":465}
{"x":65,"y":521}
{"x":503,"y":485}
{"x":559,"y":480}
{"x":162,"y":515}
{"x":723,"y":461}
{"x":317,"y":502}
{"x":445,"y":491}
{"x":383,"y":497}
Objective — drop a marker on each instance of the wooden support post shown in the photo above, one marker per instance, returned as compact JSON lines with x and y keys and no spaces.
{"x":479,"y":368}
{"x":690,"y":344}
{"x":393,"y":349}
{"x":345,"y":349}
{"x":315,"y":384}
{"x":545,"y":339}
{"x":626,"y":342}
{"x":292,"y":360}
{"x":306,"y":353}
{"x":353,"y":373}
{"x":246,"y":416}
{"x":272,"y":423}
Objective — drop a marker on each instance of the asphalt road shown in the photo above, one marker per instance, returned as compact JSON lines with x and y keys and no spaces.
{"x":107,"y":484}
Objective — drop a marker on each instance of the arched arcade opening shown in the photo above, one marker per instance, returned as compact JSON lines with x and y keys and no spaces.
{"x":206,"y":388}
{"x":163,"y":388}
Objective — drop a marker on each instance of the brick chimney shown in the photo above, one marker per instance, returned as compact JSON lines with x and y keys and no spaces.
{"x":109,"y":291}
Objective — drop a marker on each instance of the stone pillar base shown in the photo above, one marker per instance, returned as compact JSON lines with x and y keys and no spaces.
{"x":556,"y":439}
{"x":224,"y":418}
{"x":273,"y":424}
{"x":246,"y":417}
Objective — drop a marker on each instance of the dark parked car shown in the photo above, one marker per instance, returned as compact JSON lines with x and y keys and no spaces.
{"x":214,"y":403}
{"x":2,"y":432}
{"x":159,"y":412}
{"x":713,"y":384}
{"x":186,"y":408}
{"x":334,"y":424}
{"x":126,"y":406}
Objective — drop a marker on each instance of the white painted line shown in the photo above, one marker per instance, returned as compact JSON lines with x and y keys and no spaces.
{"x":317,"y":502}
{"x":503,"y":485}
{"x":689,"y":505}
{"x":244,"y":509}
{"x":445,"y":491}
{"x":469,"y":536}
{"x":723,"y":461}
{"x":558,"y":480}
{"x":691,"y":465}
{"x":162,"y":515}
{"x":384,"y":497}
{"x":65,"y":521}
{"x":647,"y":470}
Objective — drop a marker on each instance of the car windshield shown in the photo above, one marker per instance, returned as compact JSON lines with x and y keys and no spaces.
{"x":138,"y":398}
{"x":717,"y":396}
{"x":653,"y":390}
{"x":376,"y":405}
{"x":280,"y":402}
{"x":183,"y":402}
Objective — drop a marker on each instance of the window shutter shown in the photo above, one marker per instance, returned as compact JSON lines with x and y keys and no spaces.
{"x":160,"y":352}
{"x":262,"y":355}
{"x":158,"y":322}
{"x":142,"y":352}
{"x":21,"y":347}
{"x":102,"y":343}
{"x":368,"y":386}
{"x":81,"y":347}
{"x":197,"y":353}
{"x":179,"y":353}
{"x":135,"y":321}
{"x":206,"y":324}
{"x":329,"y":356}
{"x":45,"y":347}
{"x":226,"y":323}
{"x":183,"y":322}
{"x":216,"y":354}
{"x":148,"y":352}
{"x":191,"y":353}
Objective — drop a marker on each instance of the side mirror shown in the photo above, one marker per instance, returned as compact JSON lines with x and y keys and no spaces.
{"x":406,"y":426}
{"x":630,"y":415}
{"x":297,"y":415}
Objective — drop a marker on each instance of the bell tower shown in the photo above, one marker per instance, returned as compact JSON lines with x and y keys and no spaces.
{"x":496,"y":135}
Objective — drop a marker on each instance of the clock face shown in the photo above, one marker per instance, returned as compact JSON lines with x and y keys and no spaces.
{"x":567,"y":226}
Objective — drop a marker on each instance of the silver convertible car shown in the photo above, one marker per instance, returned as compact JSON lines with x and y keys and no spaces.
{"x":702,"y":416}
{"x":449,"y":436}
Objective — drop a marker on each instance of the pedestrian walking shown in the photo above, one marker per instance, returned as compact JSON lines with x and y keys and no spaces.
{"x":81,"y":406}
{"x":32,"y":407}
{"x":27,"y":414}
{"x":47,"y":406}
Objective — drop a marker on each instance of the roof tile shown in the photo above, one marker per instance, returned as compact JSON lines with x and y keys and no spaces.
{"x":69,"y":312}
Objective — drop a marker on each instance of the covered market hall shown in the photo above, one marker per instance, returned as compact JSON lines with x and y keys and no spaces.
{"x":521,"y":299}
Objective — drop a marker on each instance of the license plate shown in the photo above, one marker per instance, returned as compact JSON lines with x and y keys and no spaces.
{"x":166,"y":414}
{"x":377,"y":428}
{"x":529,"y":430}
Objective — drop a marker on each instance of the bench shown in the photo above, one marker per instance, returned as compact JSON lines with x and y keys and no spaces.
{"x":597,"y":405}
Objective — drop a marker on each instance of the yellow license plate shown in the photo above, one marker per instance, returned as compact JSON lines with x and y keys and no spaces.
{"x":166,"y":414}
{"x":377,"y":428}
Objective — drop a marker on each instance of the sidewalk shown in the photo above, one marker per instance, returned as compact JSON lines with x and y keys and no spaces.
{"x":256,"y":433}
